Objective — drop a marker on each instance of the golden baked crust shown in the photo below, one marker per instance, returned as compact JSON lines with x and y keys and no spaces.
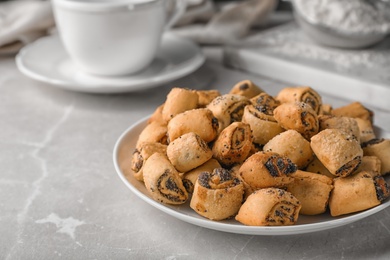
{"x":357,"y":192}
{"x":269,"y":207}
{"x":246,"y":88}
{"x":264,"y":127}
{"x":217,"y":195}
{"x":188,"y":152}
{"x":179,"y":100}
{"x":303,"y":94}
{"x":267,"y":169}
{"x":163,"y":181}
{"x":312,"y":190}
{"x":298,"y":116}
{"x":292,"y":145}
{"x":200,"y":121}
{"x":339,"y":152}
{"x":233,"y":144}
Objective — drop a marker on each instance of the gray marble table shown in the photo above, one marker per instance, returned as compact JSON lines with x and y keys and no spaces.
{"x":62,"y":199}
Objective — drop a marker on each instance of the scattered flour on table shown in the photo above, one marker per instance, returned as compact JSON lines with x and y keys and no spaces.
{"x":65,"y":226}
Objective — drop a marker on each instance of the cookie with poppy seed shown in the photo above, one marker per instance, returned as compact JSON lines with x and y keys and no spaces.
{"x":162,"y":180}
{"x":269,"y":207}
{"x":338,"y":151}
{"x":267,"y":169}
{"x":246,"y":88}
{"x":217,"y":195}
{"x":357,"y":192}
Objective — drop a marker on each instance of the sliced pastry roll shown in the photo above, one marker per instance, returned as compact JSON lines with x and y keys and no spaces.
{"x":228,"y":108}
{"x":233,"y":144}
{"x":354,"y":110}
{"x":265,"y":103}
{"x":206,"y":96}
{"x":141,"y":154}
{"x":179,"y":100}
{"x":246,"y":88}
{"x":188,"y":152}
{"x":317,"y":166}
{"x":264,"y":126}
{"x":381,"y":149}
{"x":217,"y":195}
{"x":339,"y":152}
{"x":370,"y":164}
{"x":157,"y":116}
{"x":190,"y":177}
{"x":366,"y":129}
{"x":267,"y":169}
{"x":312,"y":190}
{"x":347,"y":124}
{"x":301,"y":94}
{"x":162,"y":180}
{"x":269,"y":207}
{"x":298,"y":116}
{"x":200,"y":121}
{"x":291,"y":144}
{"x":357,"y":192}
{"x":155,"y":132}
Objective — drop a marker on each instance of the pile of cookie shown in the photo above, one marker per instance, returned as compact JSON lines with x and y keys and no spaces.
{"x":261,"y":159}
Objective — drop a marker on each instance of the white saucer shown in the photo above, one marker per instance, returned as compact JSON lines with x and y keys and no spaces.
{"x":46,"y":60}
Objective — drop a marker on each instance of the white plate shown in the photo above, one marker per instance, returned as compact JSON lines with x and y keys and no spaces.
{"x":46,"y":60}
{"x":124,"y":148}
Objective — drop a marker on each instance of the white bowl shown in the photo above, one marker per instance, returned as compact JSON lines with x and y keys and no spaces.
{"x":332,"y":37}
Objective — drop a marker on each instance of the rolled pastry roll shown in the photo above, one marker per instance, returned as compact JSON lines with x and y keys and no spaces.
{"x":366,"y":130}
{"x":188,"y":152}
{"x":200,"y":121}
{"x":297,"y":116}
{"x":347,"y":124}
{"x":354,"y":110}
{"x":157,"y":116}
{"x":326,"y":109}
{"x":339,"y":152}
{"x":206,"y":96}
{"x":301,"y":94}
{"x":265,"y":103}
{"x":264,"y":127}
{"x":233,"y":144}
{"x":179,"y":100}
{"x":246,"y":88}
{"x":291,"y":144}
{"x":381,"y":149}
{"x":312,"y":190}
{"x":357,"y":192}
{"x":370,"y":164}
{"x":155,"y":132}
{"x":228,"y":108}
{"x":189,"y":178}
{"x":269,"y":207}
{"x":217,"y":195}
{"x":267,"y":169}
{"x":141,"y":154}
{"x":316,"y":166}
{"x":248,"y":190}
{"x":162,"y":180}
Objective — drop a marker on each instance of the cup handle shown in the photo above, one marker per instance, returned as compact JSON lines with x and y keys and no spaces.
{"x":177,"y":12}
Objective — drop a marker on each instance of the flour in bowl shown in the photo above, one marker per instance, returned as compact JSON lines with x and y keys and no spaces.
{"x":354,"y":16}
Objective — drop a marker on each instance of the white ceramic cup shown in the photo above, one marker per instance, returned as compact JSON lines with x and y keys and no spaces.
{"x":113,"y":37}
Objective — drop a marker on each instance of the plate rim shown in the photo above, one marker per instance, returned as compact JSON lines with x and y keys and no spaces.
{"x":238,"y":229}
{"x":183,"y":69}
